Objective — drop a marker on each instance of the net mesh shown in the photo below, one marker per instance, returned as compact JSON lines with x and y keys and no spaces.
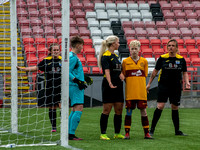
{"x":39,"y":25}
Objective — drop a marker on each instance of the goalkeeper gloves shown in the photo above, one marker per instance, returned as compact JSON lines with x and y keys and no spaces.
{"x":81,"y":84}
{"x":88,"y":80}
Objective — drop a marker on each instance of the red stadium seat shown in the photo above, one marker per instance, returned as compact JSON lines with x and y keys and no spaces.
{"x":86,"y":70}
{"x":193,"y":53}
{"x":174,"y":33}
{"x":138,"y":24}
{"x":198,"y":44}
{"x":26,"y":31}
{"x":56,"y":13}
{"x":47,"y":22}
{"x":33,"y":12}
{"x":54,"y":5}
{"x":40,"y":41}
{"x":190,"y":44}
{"x":180,"y":15}
{"x":186,"y":33}
{"x":152,"y":34}
{"x":188,"y":61}
{"x":91,"y":61}
{"x":95,"y":70}
{"x":88,"y":6}
{"x":183,"y":52}
{"x":87,"y":41}
{"x":43,"y":5}
{"x":164,"y":33}
{"x":28,"y":41}
{"x":144,"y":44}
{"x":89,"y":52}
{"x":158,"y":52}
{"x":180,"y":43}
{"x":141,"y":34}
{"x":127,"y":24}
{"x":51,"y":41}
{"x":35,"y":22}
{"x":129,"y":33}
{"x":195,"y":61}
{"x":161,"y":24}
{"x":183,"y":24}
{"x":32,"y":61}
{"x":164,"y":44}
{"x":83,"y":60}
{"x":155,"y":44}
{"x":147,"y":53}
{"x":150,"y":24}
{"x":172,"y":24}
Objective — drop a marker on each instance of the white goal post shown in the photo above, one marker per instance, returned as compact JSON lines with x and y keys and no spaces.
{"x":12,"y":128}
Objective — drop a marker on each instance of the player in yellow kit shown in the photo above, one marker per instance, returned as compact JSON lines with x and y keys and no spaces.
{"x":135,"y":70}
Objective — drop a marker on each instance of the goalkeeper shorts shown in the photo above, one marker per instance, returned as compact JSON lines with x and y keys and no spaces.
{"x":76,"y":96}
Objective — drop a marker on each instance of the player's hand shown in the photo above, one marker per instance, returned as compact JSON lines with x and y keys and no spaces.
{"x":19,"y":68}
{"x":122,"y":77}
{"x":187,"y":86}
{"x":112,"y":86}
{"x":81,"y":84}
{"x":88,"y":80}
{"x":147,"y":88}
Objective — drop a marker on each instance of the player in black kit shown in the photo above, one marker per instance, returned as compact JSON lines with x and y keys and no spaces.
{"x":172,"y":67}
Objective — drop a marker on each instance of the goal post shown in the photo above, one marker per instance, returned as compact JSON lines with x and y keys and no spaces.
{"x":22,"y":121}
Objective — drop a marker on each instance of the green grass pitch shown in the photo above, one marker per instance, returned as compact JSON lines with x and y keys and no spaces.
{"x":89,"y":130}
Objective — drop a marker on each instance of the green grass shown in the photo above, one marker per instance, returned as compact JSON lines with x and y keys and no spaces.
{"x":89,"y":130}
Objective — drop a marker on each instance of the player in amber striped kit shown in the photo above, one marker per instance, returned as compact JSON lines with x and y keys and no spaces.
{"x":135,"y":70}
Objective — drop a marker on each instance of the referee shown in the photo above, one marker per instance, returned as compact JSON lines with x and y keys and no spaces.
{"x":172,"y":67}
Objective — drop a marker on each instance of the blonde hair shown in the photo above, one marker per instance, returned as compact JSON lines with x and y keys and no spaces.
{"x":106,"y":45}
{"x":135,"y":43}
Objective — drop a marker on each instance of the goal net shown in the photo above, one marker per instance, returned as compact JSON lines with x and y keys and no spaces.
{"x":27,"y":29}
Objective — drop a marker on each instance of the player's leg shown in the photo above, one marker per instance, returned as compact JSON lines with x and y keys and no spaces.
{"x":104,"y":120}
{"x":75,"y":120}
{"x":175,"y":114}
{"x":142,"y":105}
{"x":77,"y":101}
{"x":130,"y":105}
{"x":52,"y":117}
{"x":163,"y":94}
{"x":118,"y":107}
{"x":156,"y":117}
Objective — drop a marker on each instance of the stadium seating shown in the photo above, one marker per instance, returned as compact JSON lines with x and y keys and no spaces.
{"x":150,"y":22}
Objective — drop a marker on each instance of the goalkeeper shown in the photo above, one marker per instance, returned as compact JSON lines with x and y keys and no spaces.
{"x":51,"y":65}
{"x":77,"y":85}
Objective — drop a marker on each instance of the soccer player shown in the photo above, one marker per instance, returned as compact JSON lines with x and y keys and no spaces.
{"x":112,"y":86}
{"x":135,"y":70}
{"x":51,"y":65}
{"x":76,"y":86}
{"x":172,"y":66}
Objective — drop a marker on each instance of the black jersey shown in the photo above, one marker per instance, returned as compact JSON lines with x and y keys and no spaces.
{"x":52,"y":69}
{"x":171,"y":69}
{"x":111,"y":61}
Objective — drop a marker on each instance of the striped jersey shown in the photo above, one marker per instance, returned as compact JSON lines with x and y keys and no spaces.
{"x":135,"y":74}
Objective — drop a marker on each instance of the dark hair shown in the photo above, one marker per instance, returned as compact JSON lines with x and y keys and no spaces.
{"x":51,"y":47}
{"x":76,"y":40}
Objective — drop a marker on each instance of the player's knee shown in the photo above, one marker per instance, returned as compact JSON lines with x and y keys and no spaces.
{"x":161,"y":106}
{"x":143,"y":112}
{"x":174,"y":107}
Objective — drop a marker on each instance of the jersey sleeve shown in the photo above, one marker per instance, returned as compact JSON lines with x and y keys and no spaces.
{"x":184,"y":66}
{"x":159,"y":64}
{"x":146,"y":68}
{"x":41,"y":65}
{"x":72,"y":62}
{"x":105,"y":62}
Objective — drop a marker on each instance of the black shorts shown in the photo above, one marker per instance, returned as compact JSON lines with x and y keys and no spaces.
{"x":49,"y":97}
{"x":110,"y":95}
{"x":171,"y":92}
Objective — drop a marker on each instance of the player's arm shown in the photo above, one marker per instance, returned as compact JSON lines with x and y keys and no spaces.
{"x":107,"y":74}
{"x":186,"y":78}
{"x":31,"y":69}
{"x":154,"y":73}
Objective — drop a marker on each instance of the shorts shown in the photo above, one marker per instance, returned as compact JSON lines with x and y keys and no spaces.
{"x":131,"y":104}
{"x":76,"y":96}
{"x":165,"y":92}
{"x":110,"y":95}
